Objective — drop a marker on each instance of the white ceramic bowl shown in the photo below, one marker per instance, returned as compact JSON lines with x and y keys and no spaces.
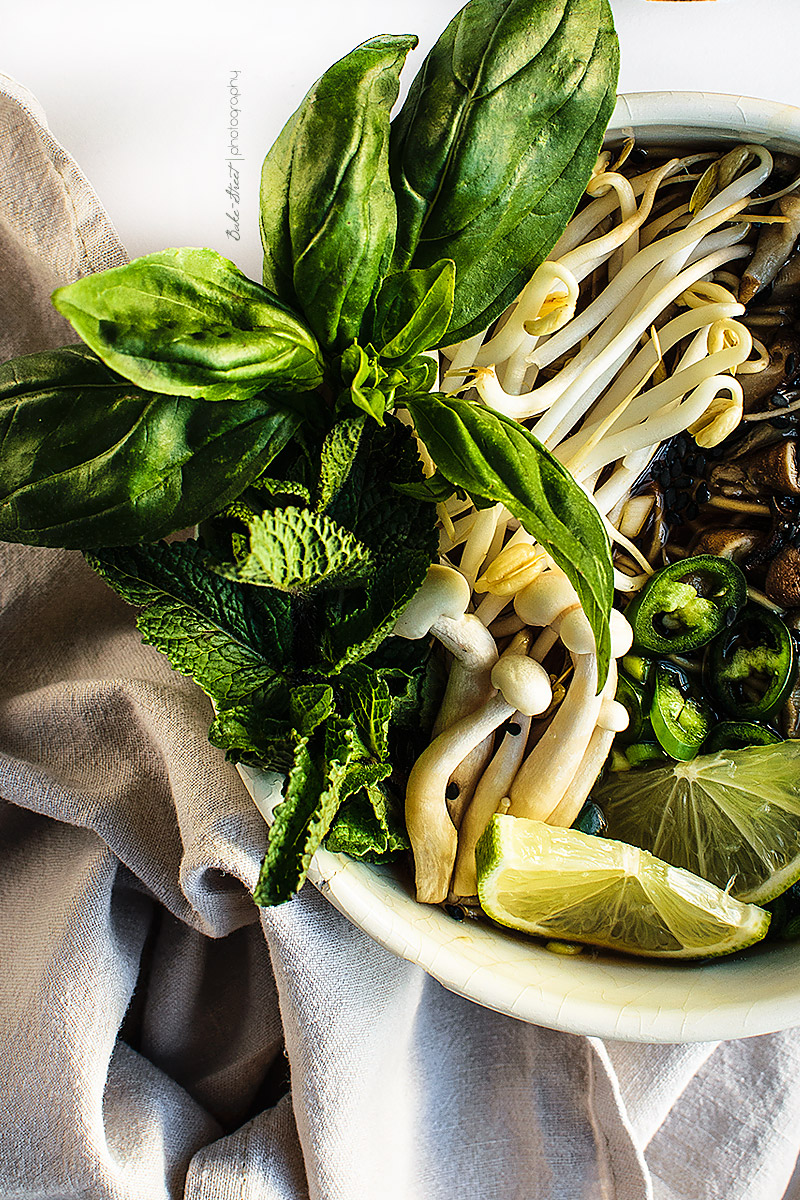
{"x":591,"y":993}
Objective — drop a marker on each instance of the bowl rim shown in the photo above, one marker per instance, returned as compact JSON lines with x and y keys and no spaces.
{"x":592,"y":994}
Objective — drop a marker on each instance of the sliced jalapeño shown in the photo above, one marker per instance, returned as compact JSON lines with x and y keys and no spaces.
{"x":681,"y":719}
{"x":632,"y":696}
{"x":735,"y":735}
{"x":687,"y":604}
{"x":750,"y":669}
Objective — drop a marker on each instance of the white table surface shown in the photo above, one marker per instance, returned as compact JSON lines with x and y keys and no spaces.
{"x":139,"y":94}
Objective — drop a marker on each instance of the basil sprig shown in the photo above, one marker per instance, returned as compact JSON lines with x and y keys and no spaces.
{"x":494,"y":458}
{"x":493,"y":146}
{"x":263,"y":413}
{"x":328,"y":213}
{"x":189,"y":323}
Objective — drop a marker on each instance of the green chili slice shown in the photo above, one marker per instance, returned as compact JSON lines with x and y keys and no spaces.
{"x":751,"y":668}
{"x":681,"y":718}
{"x":632,"y":696}
{"x":640,"y":753}
{"x":687,"y":604}
{"x":735,"y":735}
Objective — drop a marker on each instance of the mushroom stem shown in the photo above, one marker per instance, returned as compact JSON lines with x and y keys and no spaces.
{"x":474,"y":653}
{"x":466,"y":775}
{"x":591,"y":764}
{"x":524,"y":685}
{"x":549,"y":769}
{"x":774,"y":245}
{"x":430,"y":829}
{"x":490,"y":790}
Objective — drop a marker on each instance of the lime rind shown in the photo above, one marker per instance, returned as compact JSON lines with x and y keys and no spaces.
{"x":560,"y":883}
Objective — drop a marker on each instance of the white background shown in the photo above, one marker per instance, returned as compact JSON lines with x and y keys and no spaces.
{"x":139,"y":93}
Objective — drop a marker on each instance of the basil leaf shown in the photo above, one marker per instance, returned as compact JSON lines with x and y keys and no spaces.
{"x":294,"y":549}
{"x":367,"y":827}
{"x":435,"y":488}
{"x":496,"y":141}
{"x":497,"y":459}
{"x":189,"y":323}
{"x":363,"y":373}
{"x":419,"y":375}
{"x":327,"y":208}
{"x":88,"y":459}
{"x":232,"y":641}
{"x":413,"y":311}
{"x":314,"y":790}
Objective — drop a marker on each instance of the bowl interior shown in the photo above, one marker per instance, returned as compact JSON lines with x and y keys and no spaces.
{"x":591,"y":993}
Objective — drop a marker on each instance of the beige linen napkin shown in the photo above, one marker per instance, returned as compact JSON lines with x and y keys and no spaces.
{"x":158,"y":1041}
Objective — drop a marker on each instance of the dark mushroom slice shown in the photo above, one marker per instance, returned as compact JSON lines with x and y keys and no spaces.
{"x":775,"y":244}
{"x":771,"y":469}
{"x":782,"y":584}
{"x":775,"y":468}
{"x":728,"y":542}
{"x":786,"y":282}
{"x":783,"y":367}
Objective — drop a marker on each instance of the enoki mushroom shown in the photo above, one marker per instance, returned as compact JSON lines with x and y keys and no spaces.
{"x":627,"y":335}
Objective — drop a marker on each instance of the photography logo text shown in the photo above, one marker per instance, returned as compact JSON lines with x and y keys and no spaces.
{"x":232,"y":191}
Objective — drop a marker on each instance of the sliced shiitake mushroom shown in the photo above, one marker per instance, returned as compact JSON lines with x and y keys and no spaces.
{"x":783,"y":367}
{"x":727,"y":542}
{"x":782,"y":583}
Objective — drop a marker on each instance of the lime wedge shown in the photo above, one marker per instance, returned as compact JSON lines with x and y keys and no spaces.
{"x":731,"y":817}
{"x":559,"y":883}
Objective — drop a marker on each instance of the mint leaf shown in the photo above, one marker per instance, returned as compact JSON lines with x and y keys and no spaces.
{"x":294,"y":549}
{"x":399,"y":532}
{"x":229,"y":639}
{"x":313,"y":793}
{"x":337,"y":457}
{"x":259,"y":733}
{"x":311,"y":703}
{"x":366,"y":695}
{"x":281,"y":489}
{"x":367,"y":827}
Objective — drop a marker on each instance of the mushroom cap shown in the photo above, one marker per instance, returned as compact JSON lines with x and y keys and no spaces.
{"x":541,"y":601}
{"x":576,"y":632}
{"x":444,"y":593}
{"x":621,"y":633}
{"x":613,"y":716}
{"x":524,"y":683}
